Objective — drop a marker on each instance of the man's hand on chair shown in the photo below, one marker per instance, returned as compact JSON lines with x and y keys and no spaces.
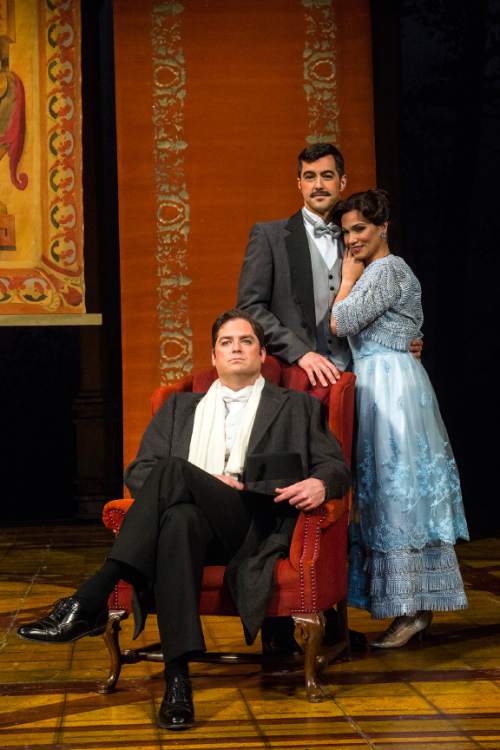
{"x":305,"y":495}
{"x":318,"y":367}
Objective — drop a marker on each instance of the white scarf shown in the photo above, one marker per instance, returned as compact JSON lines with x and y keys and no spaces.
{"x":207,"y":448}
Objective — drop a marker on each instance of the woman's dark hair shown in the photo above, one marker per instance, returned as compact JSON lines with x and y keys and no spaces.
{"x":373,"y":204}
{"x":236,"y":314}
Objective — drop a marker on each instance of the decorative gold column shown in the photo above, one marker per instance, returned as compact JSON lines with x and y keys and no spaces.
{"x":7,"y":37}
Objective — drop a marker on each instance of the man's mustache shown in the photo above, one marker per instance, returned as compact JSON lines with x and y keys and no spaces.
{"x":320,"y":192}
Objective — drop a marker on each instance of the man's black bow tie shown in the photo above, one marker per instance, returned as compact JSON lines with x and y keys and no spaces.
{"x":321,"y":230}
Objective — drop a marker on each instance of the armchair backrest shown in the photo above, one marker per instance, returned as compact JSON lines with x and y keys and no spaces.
{"x":338,"y":399}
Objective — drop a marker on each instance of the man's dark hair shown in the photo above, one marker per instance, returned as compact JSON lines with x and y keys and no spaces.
{"x":236,"y":314}
{"x":316,"y":151}
{"x":372,"y":204}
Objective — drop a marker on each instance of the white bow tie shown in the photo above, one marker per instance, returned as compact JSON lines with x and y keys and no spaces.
{"x":229,"y":396}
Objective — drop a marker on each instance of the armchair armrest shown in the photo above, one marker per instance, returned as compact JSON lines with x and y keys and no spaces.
{"x":114,"y":512}
{"x":341,"y":411}
{"x":334,"y":510}
{"x":306,"y":537}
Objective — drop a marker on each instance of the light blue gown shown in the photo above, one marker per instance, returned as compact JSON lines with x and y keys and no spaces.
{"x":408,"y":510}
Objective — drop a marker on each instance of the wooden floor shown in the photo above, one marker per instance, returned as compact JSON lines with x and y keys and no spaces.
{"x":443,"y":694}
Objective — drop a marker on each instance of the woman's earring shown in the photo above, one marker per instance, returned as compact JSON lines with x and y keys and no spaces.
{"x":383,"y":235}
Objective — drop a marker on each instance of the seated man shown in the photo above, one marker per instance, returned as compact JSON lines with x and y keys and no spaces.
{"x":190,"y":504}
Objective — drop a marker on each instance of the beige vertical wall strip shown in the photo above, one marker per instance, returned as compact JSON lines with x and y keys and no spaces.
{"x":320,"y":71}
{"x":172,"y":197}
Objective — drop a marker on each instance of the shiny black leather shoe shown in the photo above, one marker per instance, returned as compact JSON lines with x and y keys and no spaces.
{"x":176,"y":710}
{"x":65,"y":623}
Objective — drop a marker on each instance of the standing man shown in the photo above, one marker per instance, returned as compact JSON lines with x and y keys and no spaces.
{"x":292,"y":271}
{"x":288,"y":283}
{"x":193,"y":505}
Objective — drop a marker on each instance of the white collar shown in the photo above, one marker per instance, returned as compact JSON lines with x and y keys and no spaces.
{"x":313,"y":218}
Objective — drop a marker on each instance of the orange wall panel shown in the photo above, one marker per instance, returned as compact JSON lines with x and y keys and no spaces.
{"x":245,"y":122}
{"x":136,"y":189}
{"x":213,"y":105}
{"x":355,"y":93}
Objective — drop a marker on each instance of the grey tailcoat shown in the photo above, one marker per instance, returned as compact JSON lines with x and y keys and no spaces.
{"x":276,"y":286}
{"x":286,"y":421}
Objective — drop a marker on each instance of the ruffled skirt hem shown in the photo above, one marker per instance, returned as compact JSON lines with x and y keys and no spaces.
{"x":404,"y":582}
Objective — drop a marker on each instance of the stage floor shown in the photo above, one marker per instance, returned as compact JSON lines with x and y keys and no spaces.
{"x":443,"y":694}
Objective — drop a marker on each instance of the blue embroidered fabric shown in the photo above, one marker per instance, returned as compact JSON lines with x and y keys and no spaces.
{"x":404,"y":582}
{"x":407,"y":485}
{"x":407,"y":503}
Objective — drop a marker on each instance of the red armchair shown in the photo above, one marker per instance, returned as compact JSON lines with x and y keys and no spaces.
{"x":314,"y":576}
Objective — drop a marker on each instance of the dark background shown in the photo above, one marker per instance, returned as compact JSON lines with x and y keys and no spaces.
{"x":437,"y":127}
{"x":437,"y":113}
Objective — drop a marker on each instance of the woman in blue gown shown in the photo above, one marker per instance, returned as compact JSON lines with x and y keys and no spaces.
{"x":408,"y":509}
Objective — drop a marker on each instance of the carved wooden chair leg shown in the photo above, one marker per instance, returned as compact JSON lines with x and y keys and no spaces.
{"x":111,"y":638}
{"x":309,"y":631}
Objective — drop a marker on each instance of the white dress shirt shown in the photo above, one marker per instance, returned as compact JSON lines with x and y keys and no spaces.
{"x":327,"y":246}
{"x":235,"y":402}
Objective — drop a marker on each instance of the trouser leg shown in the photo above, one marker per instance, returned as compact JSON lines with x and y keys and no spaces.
{"x":173,"y":482}
{"x":178,"y":513}
{"x":184,"y":539}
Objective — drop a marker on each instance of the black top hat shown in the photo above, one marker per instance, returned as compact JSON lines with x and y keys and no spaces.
{"x":266,"y":471}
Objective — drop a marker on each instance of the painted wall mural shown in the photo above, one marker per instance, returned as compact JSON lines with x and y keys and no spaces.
{"x":41,"y":227}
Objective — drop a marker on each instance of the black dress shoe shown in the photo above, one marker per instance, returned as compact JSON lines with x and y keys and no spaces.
{"x":176,"y":710}
{"x":67,"y":622}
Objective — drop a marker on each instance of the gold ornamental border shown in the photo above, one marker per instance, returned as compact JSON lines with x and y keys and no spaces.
{"x":55,"y":284}
{"x":172,"y":197}
{"x":320,"y":84}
